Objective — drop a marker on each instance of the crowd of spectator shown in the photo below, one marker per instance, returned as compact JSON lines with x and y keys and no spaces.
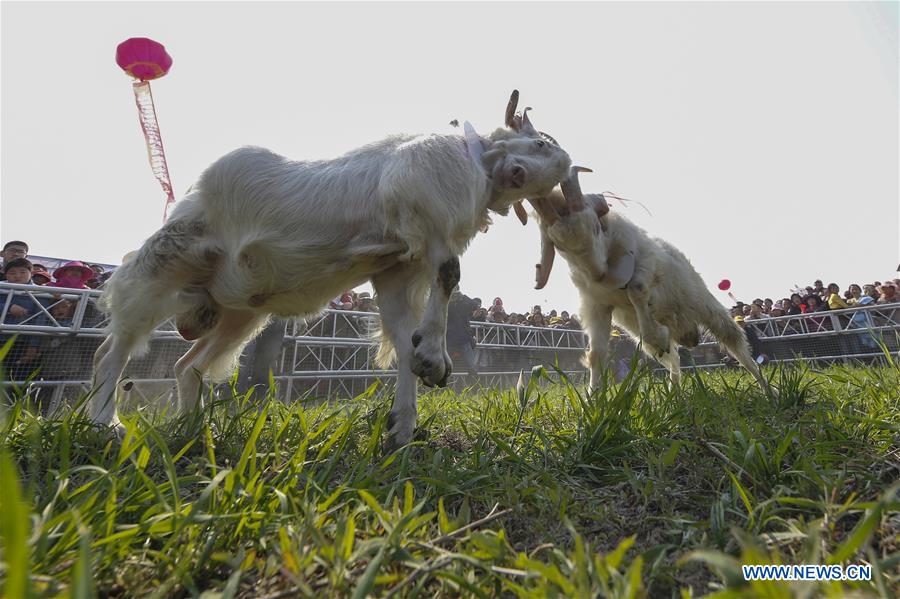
{"x":25,"y":354}
{"x":43,"y":309}
{"x":535,"y":317}
{"x":819,"y":298}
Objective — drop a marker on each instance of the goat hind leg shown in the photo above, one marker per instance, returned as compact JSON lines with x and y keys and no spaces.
{"x":599,"y":331}
{"x":672,"y":361}
{"x":740,"y":353}
{"x":653,"y":333}
{"x":221,"y":343}
{"x":109,"y":364}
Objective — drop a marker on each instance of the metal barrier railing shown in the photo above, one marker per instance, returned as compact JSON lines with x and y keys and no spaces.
{"x":334,"y":351}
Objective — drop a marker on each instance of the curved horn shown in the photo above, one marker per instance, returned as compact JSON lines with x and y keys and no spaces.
{"x":511,"y":120}
{"x":571,"y":189}
{"x":520,"y":213}
{"x":526,"y":122}
{"x":548,"y":253}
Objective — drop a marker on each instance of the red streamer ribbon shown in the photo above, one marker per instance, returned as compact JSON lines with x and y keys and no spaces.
{"x":147,"y":114}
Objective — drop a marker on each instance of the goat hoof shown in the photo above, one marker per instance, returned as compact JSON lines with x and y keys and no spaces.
{"x":397,"y":436}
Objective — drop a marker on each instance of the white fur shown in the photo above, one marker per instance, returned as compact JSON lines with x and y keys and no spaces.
{"x":665,"y":302}
{"x":260,"y":234}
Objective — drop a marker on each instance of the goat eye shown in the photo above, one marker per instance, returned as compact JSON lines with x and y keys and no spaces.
{"x":540,"y":143}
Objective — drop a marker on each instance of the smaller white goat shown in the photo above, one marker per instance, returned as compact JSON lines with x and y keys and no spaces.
{"x":643,"y":284}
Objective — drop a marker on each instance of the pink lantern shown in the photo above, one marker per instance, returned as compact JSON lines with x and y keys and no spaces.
{"x":724,"y":285}
{"x":143,"y":58}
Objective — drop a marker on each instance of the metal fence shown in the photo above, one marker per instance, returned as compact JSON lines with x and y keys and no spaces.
{"x":333,"y":353}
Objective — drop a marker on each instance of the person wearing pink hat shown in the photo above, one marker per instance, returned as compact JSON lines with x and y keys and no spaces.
{"x":72,"y":275}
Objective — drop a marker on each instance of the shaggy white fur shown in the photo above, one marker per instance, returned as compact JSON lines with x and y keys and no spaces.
{"x":644,"y":284}
{"x":260,"y":234}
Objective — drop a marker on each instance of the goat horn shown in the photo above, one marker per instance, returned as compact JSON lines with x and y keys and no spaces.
{"x":571,"y":189}
{"x":511,"y":120}
{"x":526,"y":123}
{"x":548,"y":253}
{"x":520,"y":212}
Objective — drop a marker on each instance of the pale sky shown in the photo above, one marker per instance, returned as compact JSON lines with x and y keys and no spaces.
{"x":763,"y":137}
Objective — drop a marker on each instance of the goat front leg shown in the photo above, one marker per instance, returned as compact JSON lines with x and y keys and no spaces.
{"x":653,"y":334}
{"x":599,"y":329}
{"x":430,"y":360}
{"x":397,"y":323}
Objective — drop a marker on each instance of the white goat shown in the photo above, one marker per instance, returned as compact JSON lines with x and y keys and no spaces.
{"x":259,"y":234}
{"x":644,"y":284}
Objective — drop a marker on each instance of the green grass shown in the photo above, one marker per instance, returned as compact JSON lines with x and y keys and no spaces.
{"x":639,"y":490}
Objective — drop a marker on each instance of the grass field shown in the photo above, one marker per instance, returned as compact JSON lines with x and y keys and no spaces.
{"x":640,"y":490}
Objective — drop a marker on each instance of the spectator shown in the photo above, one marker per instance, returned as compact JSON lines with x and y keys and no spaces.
{"x":818,"y":288}
{"x":855,"y":292}
{"x":797,"y":305}
{"x":871,"y":291}
{"x":261,"y":357}
{"x":24,"y":354}
{"x":863,"y":320}
{"x":72,"y":275}
{"x":479,"y":315}
{"x":814,"y":304}
{"x":39,"y":275}
{"x":342,"y":302}
{"x":12,"y":250}
{"x":574,"y":323}
{"x":365,"y":302}
{"x":756,"y":312}
{"x":776,"y":311}
{"x":834,"y":299}
{"x":767,"y":305}
{"x":496,"y":313}
{"x":460,"y":340}
{"x":752,"y":340}
{"x":888,"y":294}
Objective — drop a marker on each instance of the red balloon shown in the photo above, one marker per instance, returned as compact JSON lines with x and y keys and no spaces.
{"x":143,"y":59}
{"x":724,"y":284}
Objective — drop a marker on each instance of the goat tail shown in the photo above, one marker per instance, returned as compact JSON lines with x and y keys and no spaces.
{"x":416,"y":294}
{"x":386,"y":350}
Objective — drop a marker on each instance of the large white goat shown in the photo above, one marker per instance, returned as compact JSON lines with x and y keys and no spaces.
{"x":259,"y":234}
{"x":644,"y":284}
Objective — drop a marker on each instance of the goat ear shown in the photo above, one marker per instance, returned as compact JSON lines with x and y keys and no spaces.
{"x":520,"y":212}
{"x":601,"y":207}
{"x":473,"y":142}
